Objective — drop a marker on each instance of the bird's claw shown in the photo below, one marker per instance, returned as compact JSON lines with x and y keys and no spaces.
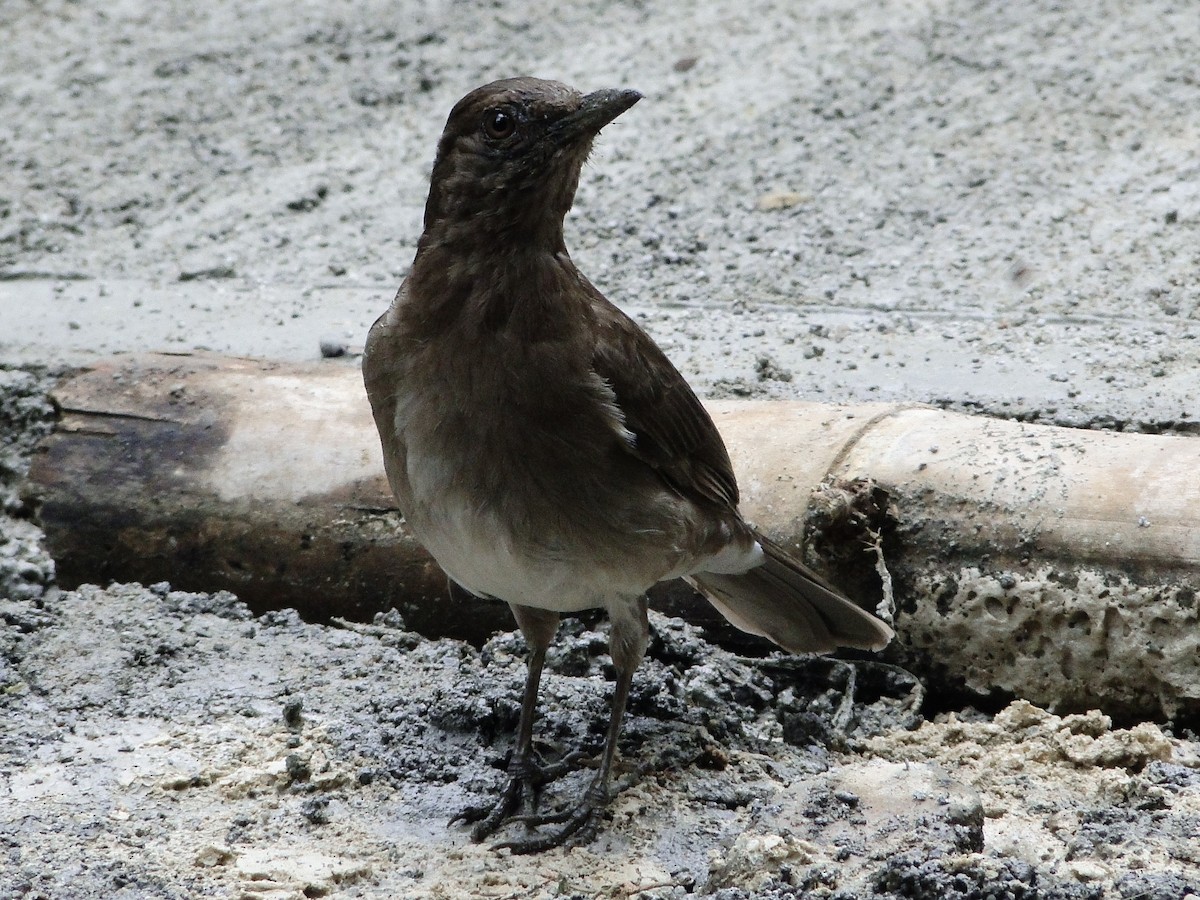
{"x":583,"y":821}
{"x":526,"y":779}
{"x":490,"y":816}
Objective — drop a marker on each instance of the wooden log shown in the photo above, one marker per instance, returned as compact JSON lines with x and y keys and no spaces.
{"x":1049,"y":563}
{"x":228,"y":474}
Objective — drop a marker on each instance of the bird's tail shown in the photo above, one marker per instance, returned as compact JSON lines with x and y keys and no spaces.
{"x":787,"y":602}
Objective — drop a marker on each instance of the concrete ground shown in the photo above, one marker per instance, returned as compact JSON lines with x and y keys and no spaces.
{"x":992,"y":207}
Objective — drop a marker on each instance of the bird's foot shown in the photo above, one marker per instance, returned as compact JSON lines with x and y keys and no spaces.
{"x":526,"y":778}
{"x":580,"y":823}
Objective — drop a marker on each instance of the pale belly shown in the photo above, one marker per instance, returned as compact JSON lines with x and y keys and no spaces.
{"x":482,"y":555}
{"x":491,"y":549}
{"x":478,"y":510}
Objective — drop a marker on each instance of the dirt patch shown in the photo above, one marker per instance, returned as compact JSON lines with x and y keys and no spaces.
{"x":164,"y":744}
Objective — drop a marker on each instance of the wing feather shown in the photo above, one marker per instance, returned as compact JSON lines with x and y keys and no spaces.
{"x":672,"y":430}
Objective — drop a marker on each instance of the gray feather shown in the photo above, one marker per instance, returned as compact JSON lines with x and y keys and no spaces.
{"x":788,"y":603}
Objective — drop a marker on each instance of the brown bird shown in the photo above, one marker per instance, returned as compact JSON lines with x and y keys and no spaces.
{"x":542,"y":447}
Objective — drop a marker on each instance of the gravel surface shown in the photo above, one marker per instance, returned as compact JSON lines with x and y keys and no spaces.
{"x":992,"y":207}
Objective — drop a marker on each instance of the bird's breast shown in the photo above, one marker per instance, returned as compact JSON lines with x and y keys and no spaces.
{"x":514,"y":489}
{"x":514,"y":468}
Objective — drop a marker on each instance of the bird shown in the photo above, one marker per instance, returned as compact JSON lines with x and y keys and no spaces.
{"x":544,"y":450}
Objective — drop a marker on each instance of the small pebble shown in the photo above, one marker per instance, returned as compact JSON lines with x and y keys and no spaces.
{"x":292,"y":713}
{"x":332,"y":347}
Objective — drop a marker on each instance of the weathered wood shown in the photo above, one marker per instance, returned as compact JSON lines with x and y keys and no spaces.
{"x":234,"y":474}
{"x":1051,"y":563}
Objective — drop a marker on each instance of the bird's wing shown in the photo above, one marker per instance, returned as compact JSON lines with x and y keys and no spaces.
{"x":672,"y":430}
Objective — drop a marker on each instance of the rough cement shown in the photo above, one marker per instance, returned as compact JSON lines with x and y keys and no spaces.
{"x":164,"y":744}
{"x":992,"y":206}
{"x":1072,"y":636}
{"x":987,"y":206}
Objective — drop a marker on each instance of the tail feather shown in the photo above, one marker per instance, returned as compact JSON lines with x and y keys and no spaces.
{"x":787,"y":602}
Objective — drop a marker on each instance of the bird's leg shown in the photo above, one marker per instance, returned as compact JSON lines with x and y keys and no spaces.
{"x":525,"y":774}
{"x":627,"y":645}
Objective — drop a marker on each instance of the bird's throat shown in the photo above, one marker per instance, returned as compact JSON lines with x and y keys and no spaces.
{"x":490,"y":288}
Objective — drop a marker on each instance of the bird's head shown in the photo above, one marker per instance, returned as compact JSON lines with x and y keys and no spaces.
{"x":509,"y":159}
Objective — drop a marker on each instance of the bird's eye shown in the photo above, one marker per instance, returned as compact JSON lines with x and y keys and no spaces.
{"x":499,"y":124}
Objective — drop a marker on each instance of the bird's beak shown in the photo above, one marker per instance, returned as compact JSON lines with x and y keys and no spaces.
{"x":596,"y":111}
